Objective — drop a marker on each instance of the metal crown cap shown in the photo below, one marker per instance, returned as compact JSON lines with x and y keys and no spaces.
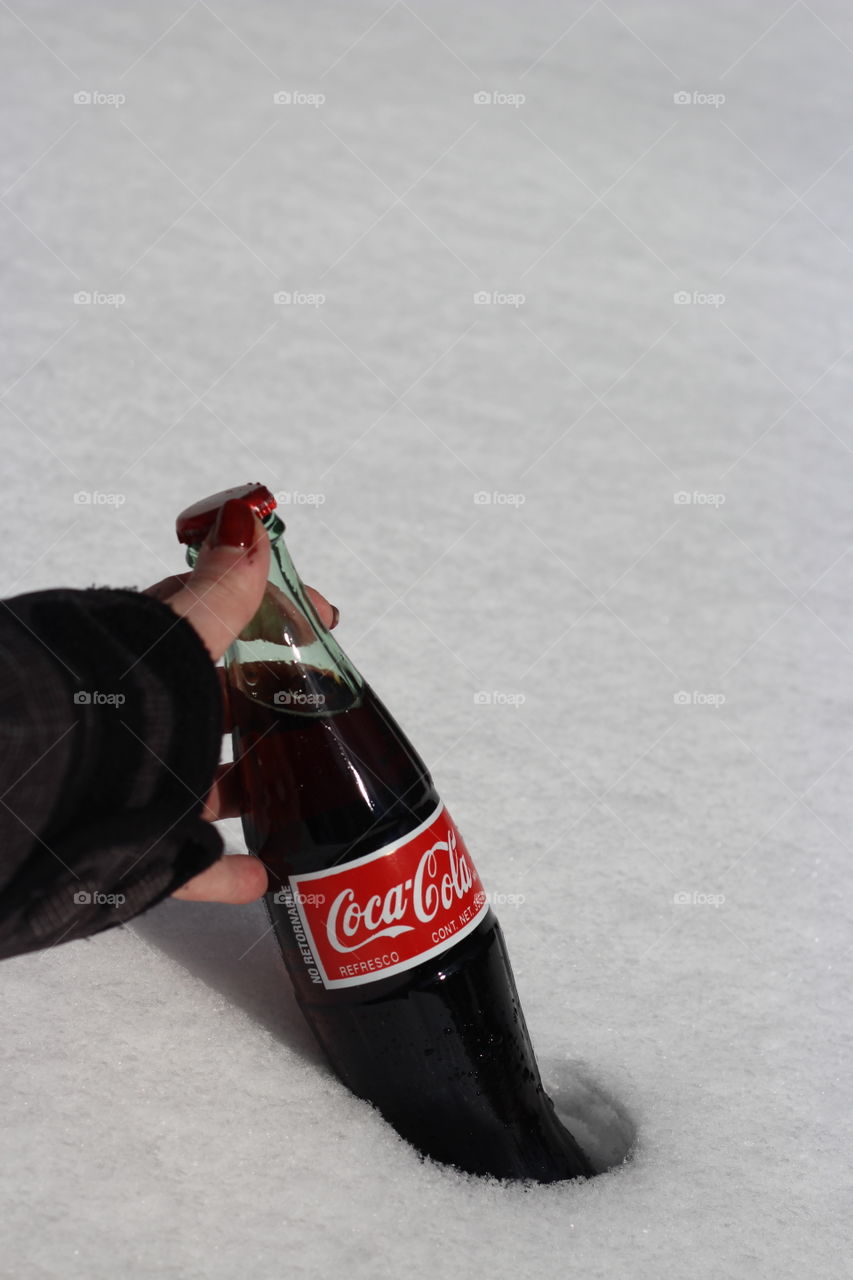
{"x":194,"y":523}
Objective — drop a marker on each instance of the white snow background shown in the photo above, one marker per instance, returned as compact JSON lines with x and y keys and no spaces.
{"x":677,"y":869}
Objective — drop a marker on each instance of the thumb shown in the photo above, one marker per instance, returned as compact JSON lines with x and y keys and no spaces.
{"x":227,"y":584}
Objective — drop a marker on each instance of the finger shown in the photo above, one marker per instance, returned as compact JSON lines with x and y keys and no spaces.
{"x":236,"y":877}
{"x":224,"y":798}
{"x":167,"y":587}
{"x":329,"y":615}
{"x":227,"y":585}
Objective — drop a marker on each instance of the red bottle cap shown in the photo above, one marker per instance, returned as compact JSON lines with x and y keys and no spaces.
{"x":194,"y":524}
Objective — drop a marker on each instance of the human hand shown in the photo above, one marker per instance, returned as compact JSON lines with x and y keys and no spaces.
{"x":218,"y":598}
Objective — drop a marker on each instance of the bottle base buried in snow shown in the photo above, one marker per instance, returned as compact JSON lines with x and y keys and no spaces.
{"x":479,"y":1104}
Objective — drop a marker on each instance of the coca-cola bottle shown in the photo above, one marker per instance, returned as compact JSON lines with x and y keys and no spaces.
{"x":397,"y":960}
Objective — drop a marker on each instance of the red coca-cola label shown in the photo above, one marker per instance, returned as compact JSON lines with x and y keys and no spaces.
{"x":392,"y":909}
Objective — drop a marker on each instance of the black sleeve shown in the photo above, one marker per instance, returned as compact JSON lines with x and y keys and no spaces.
{"x":110,"y":734}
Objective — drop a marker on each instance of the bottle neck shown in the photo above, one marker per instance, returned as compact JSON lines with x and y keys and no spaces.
{"x":287,"y":657}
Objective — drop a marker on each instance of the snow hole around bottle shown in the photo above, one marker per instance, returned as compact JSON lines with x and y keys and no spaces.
{"x":595,"y":1118}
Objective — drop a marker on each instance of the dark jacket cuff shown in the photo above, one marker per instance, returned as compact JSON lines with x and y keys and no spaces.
{"x":113,"y":723}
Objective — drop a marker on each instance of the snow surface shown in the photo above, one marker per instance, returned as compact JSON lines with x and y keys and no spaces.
{"x":682,"y":942}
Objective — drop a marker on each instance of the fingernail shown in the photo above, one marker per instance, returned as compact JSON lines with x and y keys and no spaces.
{"x":235,"y":525}
{"x":336,"y":617}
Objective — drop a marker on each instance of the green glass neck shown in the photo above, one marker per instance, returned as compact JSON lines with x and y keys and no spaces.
{"x":287,"y":638}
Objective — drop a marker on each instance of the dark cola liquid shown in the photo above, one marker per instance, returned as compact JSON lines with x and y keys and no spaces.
{"x":442,"y":1049}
